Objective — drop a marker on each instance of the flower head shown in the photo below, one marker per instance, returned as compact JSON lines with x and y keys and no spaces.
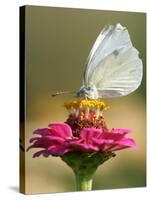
{"x":84,"y":131}
{"x":85,"y":114}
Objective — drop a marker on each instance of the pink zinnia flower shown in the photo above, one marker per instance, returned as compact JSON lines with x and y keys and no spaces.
{"x":83,"y":142}
{"x":58,"y":139}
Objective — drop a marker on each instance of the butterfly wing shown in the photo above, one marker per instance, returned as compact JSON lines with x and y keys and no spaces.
{"x":113,"y":65}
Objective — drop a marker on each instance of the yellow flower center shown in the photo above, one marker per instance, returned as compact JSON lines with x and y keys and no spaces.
{"x":77,"y":106}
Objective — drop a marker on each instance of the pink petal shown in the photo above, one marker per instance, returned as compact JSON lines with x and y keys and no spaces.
{"x":115,"y":134}
{"x":104,"y":144}
{"x":55,"y":139}
{"x":42,"y":152}
{"x":33,"y":139}
{"x":58,"y":150}
{"x":60,"y":129}
{"x":122,"y":144}
{"x":121,"y":131}
{"x":88,"y":133}
{"x":41,"y":131}
{"x":40,"y":143}
{"x":102,"y":141}
{"x":81,"y":145}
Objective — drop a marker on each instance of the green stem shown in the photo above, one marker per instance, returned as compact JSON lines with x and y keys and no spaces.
{"x":84,"y":165}
{"x":83,"y":183}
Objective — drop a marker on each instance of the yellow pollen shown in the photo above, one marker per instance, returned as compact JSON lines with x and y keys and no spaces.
{"x":83,"y":104}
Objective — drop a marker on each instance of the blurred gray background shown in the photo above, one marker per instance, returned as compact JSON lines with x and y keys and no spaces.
{"x":58,"y":41}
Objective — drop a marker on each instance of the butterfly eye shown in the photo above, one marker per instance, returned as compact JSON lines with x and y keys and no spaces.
{"x":116,"y":52}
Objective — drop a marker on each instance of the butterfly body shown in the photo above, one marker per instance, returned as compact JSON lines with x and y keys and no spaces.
{"x":90,"y":92}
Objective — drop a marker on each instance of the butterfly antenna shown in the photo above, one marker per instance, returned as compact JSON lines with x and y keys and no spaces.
{"x":61,"y":93}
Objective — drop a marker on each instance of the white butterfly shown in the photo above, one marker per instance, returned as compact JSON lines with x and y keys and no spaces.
{"x":113,"y":67}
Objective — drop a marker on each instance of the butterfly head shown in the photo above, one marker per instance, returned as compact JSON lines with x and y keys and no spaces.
{"x":89,"y":92}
